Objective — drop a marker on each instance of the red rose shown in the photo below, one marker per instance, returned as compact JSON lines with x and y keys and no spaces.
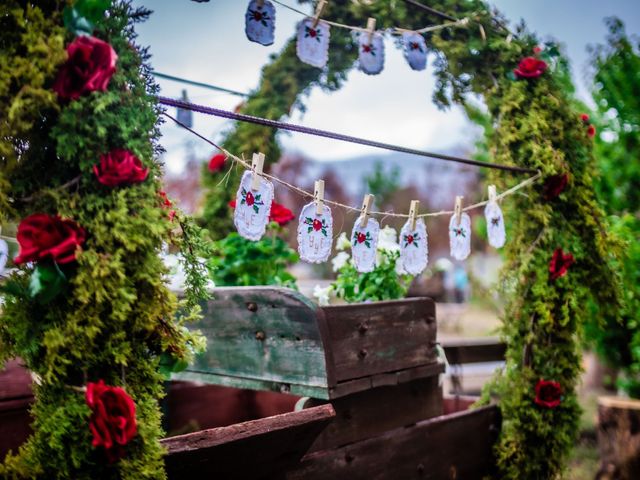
{"x":591,"y":131}
{"x":584,"y":117}
{"x":250,"y":199}
{"x":559,"y":264}
{"x":280,"y":214}
{"x":317,"y":224}
{"x":44,"y":237}
{"x":530,"y":67}
{"x":113,"y":418}
{"x":90,"y":65}
{"x":548,"y":394}
{"x":120,"y":167}
{"x":555,"y":185}
{"x":217,"y":162}
{"x":232,"y":203}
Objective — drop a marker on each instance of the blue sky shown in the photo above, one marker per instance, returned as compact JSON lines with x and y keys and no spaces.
{"x":206,"y":42}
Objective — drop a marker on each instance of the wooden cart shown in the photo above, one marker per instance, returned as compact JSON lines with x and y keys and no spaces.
{"x":288,"y":390}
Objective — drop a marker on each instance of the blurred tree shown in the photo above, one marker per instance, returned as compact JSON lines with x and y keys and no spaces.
{"x":383,"y":183}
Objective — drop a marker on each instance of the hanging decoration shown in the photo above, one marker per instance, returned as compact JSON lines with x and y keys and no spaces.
{"x":260,"y":22}
{"x":460,"y":232}
{"x":370,"y":49}
{"x":315,"y":228}
{"x":312,"y":46}
{"x":415,"y":50}
{"x":4,"y":255}
{"x":495,"y":221}
{"x":253,"y":204}
{"x":414,"y":250}
{"x":364,"y":241}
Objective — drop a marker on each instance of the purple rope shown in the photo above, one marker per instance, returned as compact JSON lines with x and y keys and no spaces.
{"x":332,"y":135}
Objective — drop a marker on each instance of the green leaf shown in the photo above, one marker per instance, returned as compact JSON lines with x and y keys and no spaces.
{"x":511,"y":75}
{"x":309,"y":229}
{"x":76,"y":23}
{"x":92,"y":10}
{"x":256,"y":209}
{"x":47,"y":282}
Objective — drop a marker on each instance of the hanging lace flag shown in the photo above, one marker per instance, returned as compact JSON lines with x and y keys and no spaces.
{"x":185,"y":116}
{"x":370,"y":53}
{"x":364,"y":241}
{"x":460,"y":236}
{"x":260,"y":22}
{"x":315,"y":234}
{"x":4,"y":254}
{"x":495,"y":225}
{"x":313,"y":43}
{"x":252,"y":206}
{"x":415,"y":50}
{"x":414,"y":250}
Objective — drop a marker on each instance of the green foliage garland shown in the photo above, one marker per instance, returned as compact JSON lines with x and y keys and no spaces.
{"x":116,"y":318}
{"x":534,"y":125}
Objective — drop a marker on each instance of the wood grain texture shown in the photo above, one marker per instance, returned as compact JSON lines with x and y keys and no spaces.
{"x":259,"y":449}
{"x":260,"y":336}
{"x":15,"y":380}
{"x":372,"y":412}
{"x":456,"y":446}
{"x":619,"y":438}
{"x":476,"y":350}
{"x":379,"y":337}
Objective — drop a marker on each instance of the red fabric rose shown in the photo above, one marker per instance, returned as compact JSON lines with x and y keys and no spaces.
{"x":113,"y":418}
{"x":548,"y":394}
{"x":120,"y":167}
{"x":217,"y":162}
{"x":44,"y":237}
{"x":280,"y":214}
{"x":555,"y":185}
{"x":90,"y":65}
{"x":530,"y":67}
{"x":559,"y":264}
{"x":591,"y":131}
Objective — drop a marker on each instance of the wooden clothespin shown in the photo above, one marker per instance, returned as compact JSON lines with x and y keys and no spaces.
{"x":318,"y":196}
{"x":371,"y":28}
{"x":366,"y":206}
{"x":413,"y":213}
{"x":492,"y":193}
{"x":319,"y":9}
{"x":260,"y":3}
{"x":458,"y":210}
{"x":256,"y":167}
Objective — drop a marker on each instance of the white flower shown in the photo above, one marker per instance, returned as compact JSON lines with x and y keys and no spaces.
{"x":342,"y":243}
{"x":322,"y":294}
{"x":387,"y":240}
{"x":340,"y":260}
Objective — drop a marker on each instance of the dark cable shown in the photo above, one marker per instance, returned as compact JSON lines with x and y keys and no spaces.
{"x":431,"y":10}
{"x":332,"y":135}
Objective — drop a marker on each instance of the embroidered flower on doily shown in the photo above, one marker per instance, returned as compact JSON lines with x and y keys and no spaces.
{"x":360,"y":237}
{"x":315,"y":224}
{"x":411,"y":239}
{"x":251,"y":200}
{"x":310,"y":32}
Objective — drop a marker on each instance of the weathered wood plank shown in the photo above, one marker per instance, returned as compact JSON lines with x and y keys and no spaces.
{"x":259,"y":449}
{"x":261,"y":334}
{"x":372,"y":412}
{"x":15,"y":380}
{"x":475,"y":350}
{"x":15,"y":424}
{"x":368,"y":339}
{"x":457,"y":446}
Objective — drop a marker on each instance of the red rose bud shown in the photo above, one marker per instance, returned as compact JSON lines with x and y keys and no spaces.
{"x":591,"y":131}
{"x":165,"y":200}
{"x":120,"y":167}
{"x":555,"y":185}
{"x":280,"y":214}
{"x":113,"y":418}
{"x":548,"y":394}
{"x":530,"y":67}
{"x":584,"y":117}
{"x":46,"y":237}
{"x":559,"y":264}
{"x":217,"y":162}
{"x":89,"y":67}
{"x":232,"y":203}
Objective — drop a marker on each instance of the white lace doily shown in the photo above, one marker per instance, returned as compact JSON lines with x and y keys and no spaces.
{"x":4,"y":254}
{"x":415,"y":50}
{"x":315,"y":234}
{"x":370,"y":55}
{"x":260,"y":22}
{"x":495,"y":225}
{"x":414,"y":249}
{"x":364,"y":242}
{"x":252,"y":207}
{"x":312,"y":46}
{"x":460,"y":236}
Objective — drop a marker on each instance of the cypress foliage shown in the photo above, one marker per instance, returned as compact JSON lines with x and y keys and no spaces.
{"x":116,"y":318}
